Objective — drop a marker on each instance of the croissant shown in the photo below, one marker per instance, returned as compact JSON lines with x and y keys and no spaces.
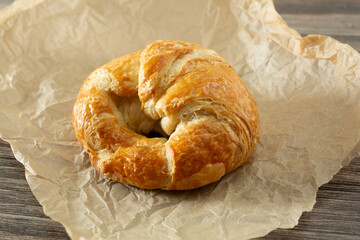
{"x":173,"y":116}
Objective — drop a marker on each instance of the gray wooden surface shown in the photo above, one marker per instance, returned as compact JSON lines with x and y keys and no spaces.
{"x":336,"y":214}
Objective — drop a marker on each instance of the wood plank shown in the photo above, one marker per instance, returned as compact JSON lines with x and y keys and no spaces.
{"x":5,"y":3}
{"x":25,"y":227}
{"x":316,"y":7}
{"x":21,"y":215}
{"x":338,"y":19}
{"x":334,"y":24}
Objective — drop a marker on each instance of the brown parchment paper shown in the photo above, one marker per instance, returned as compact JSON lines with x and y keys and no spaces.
{"x":307,"y":90}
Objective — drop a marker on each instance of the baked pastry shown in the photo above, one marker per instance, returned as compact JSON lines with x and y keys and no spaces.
{"x":189,"y":95}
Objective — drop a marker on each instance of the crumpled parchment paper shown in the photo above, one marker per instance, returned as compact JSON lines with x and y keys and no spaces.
{"x":307,"y":90}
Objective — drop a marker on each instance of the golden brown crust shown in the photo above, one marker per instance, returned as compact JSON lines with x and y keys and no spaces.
{"x":202,"y":143}
{"x":178,"y":88}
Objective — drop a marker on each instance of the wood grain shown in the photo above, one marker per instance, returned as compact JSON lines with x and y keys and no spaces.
{"x":339,"y":19}
{"x":336,"y":214}
{"x":21,"y":216}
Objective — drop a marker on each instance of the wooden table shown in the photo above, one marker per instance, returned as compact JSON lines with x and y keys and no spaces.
{"x":336,"y":214}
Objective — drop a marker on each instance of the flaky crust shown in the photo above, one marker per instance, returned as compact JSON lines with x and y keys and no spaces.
{"x":185,"y":92}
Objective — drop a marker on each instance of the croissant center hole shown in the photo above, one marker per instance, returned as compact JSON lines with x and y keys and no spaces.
{"x":154,"y":130}
{"x":134,"y":118}
{"x":156,"y":134}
